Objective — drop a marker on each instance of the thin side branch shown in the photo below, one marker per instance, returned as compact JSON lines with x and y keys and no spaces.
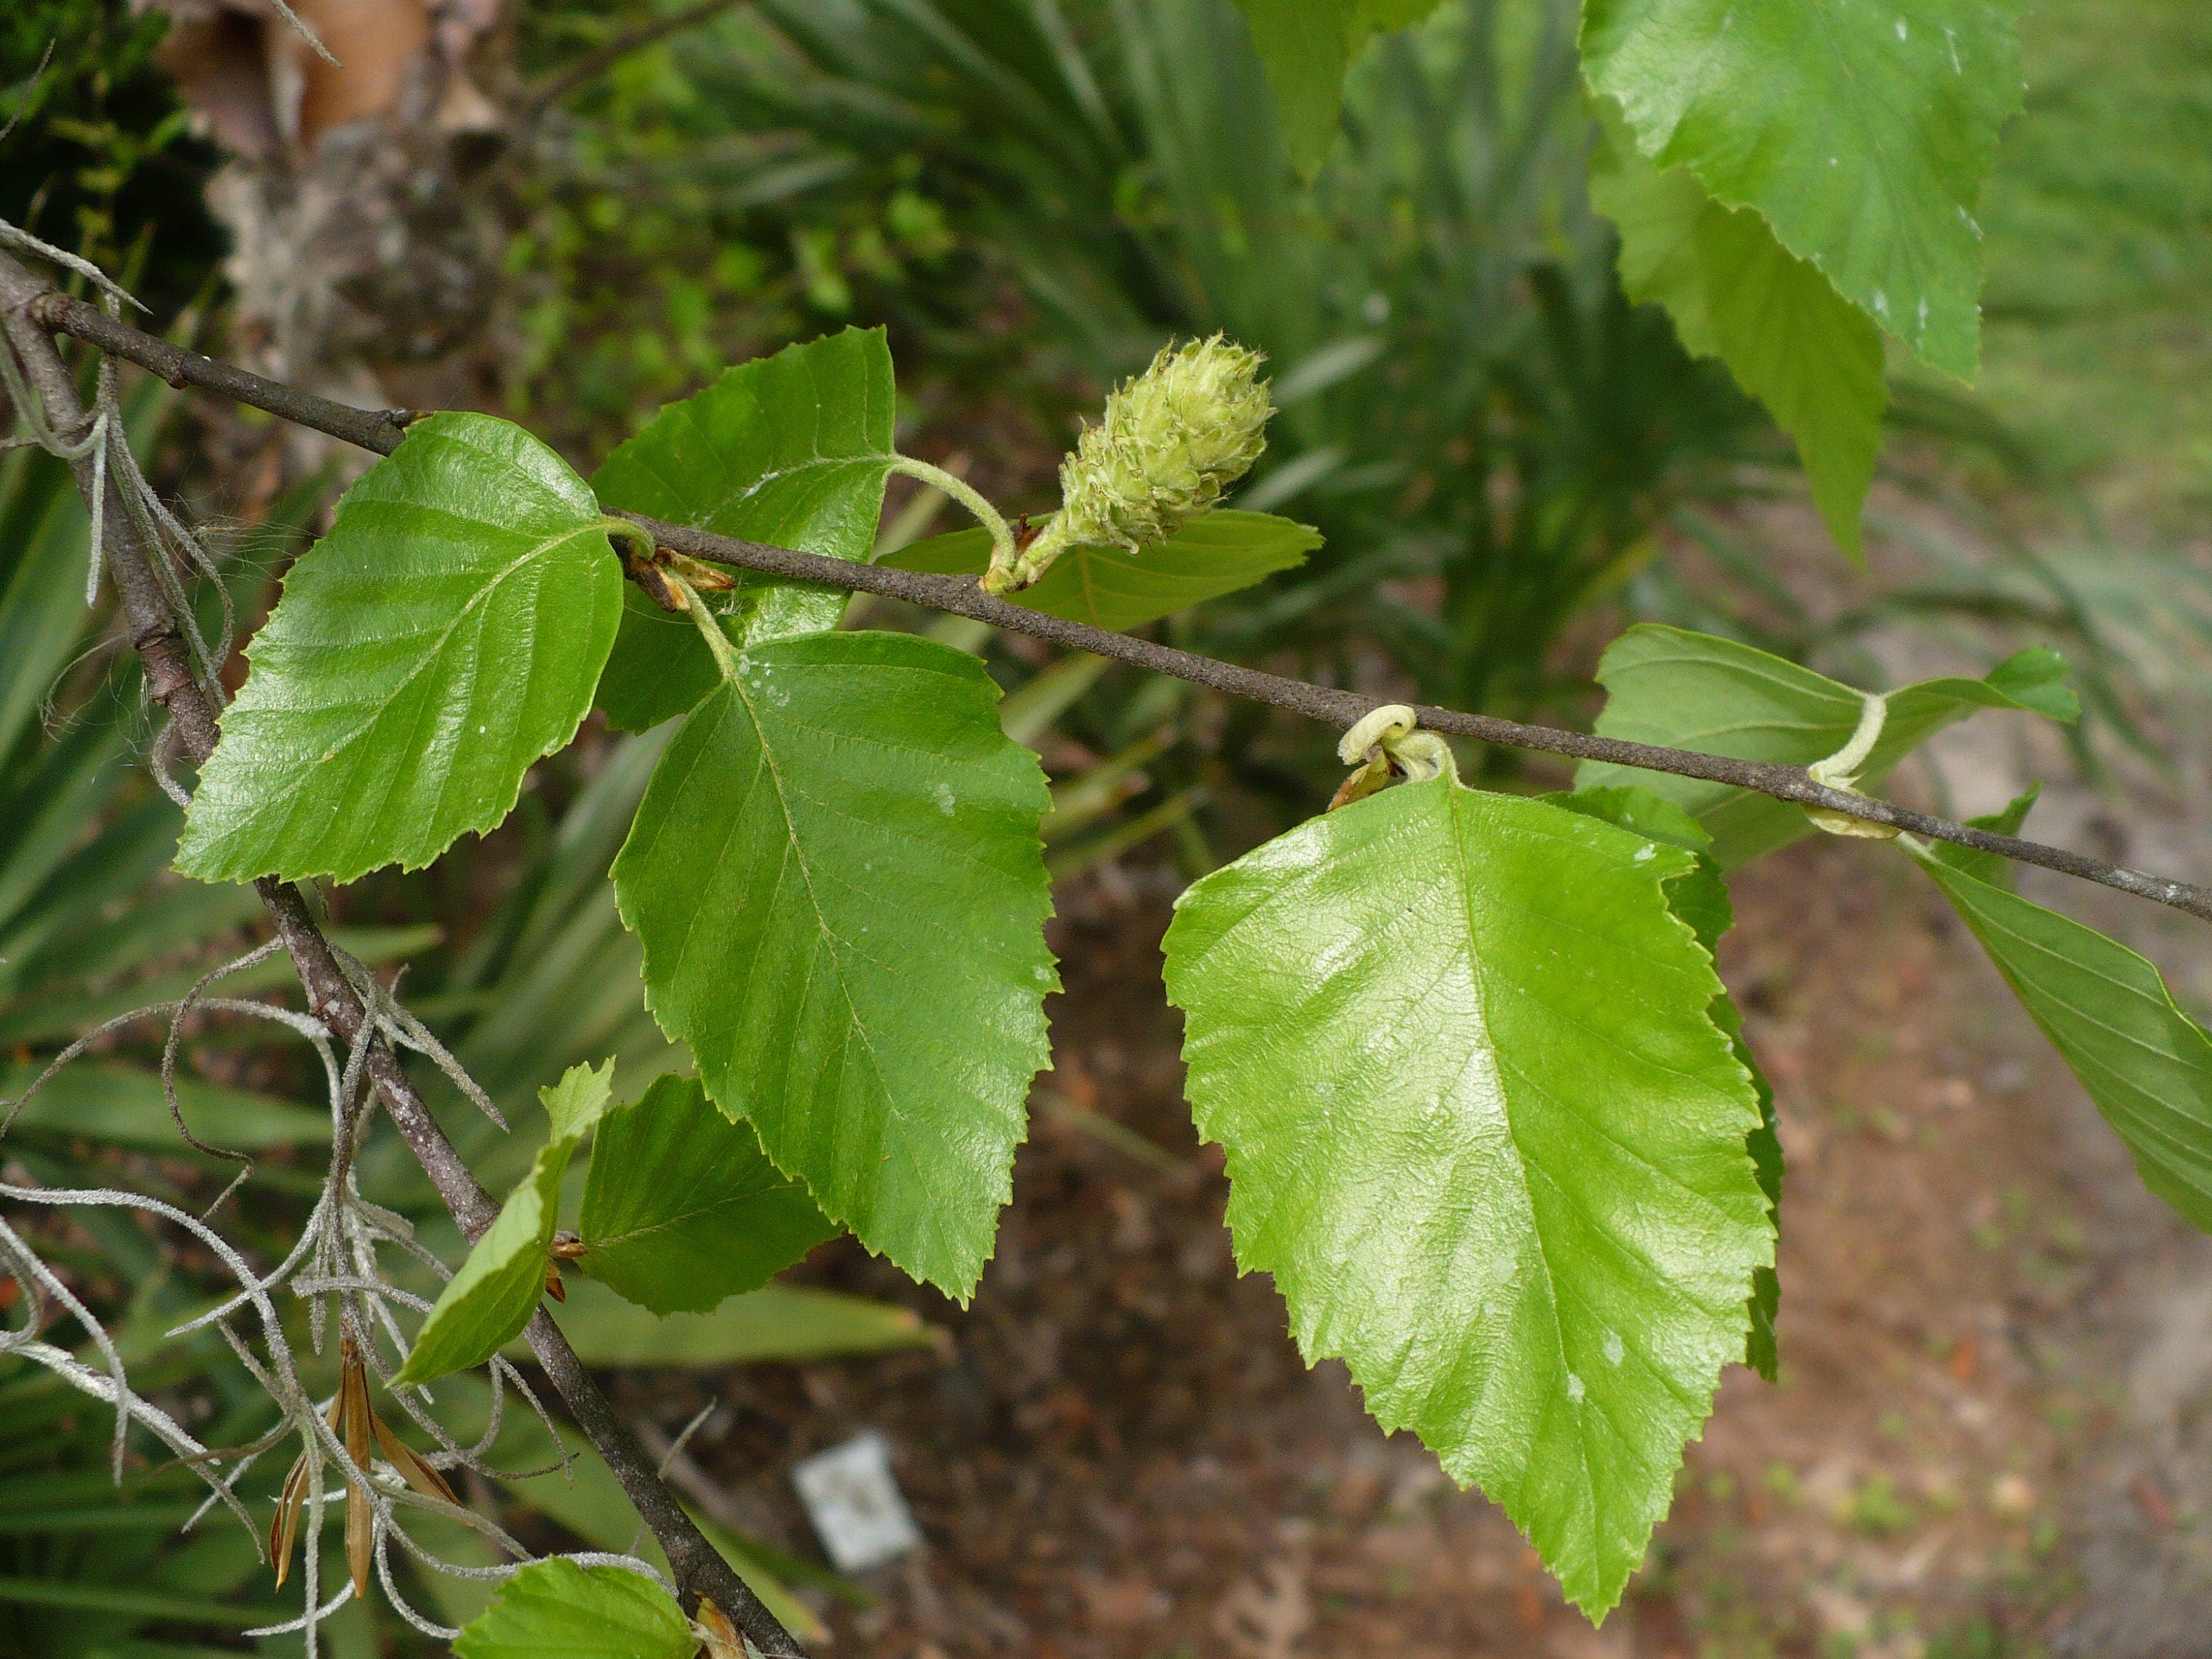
{"x":960,"y":596}
{"x":156,"y":633}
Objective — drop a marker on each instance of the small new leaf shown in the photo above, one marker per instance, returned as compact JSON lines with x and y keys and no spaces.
{"x":577,"y":1101}
{"x":555,"y":1609}
{"x":447,"y":633}
{"x":682,"y":1209}
{"x":485,"y":1305}
{"x":1482,"y":1130}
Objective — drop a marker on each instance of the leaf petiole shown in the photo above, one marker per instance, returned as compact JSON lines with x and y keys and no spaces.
{"x":1841,"y":771}
{"x":646,"y":552}
{"x":642,"y":546}
{"x":710,"y":627}
{"x":1004,"y":551}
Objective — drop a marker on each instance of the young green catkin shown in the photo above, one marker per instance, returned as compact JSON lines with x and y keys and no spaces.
{"x":1172,"y":440}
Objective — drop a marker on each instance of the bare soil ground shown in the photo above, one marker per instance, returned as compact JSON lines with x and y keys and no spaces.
{"x":1994,"y":1349}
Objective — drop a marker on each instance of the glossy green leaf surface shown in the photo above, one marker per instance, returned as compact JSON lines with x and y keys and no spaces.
{"x":1863,"y":134}
{"x":1700,"y":897}
{"x":1217,"y":553}
{"x":555,"y":1609}
{"x":836,"y":877}
{"x":447,"y":633}
{"x":2106,"y":1010}
{"x":1684,"y":690}
{"x":1803,"y":350}
{"x":790,"y":450}
{"x":1306,"y":45}
{"x":1482,"y":1128}
{"x":487,"y":1303}
{"x":682,"y":1209}
{"x":789,"y":1324}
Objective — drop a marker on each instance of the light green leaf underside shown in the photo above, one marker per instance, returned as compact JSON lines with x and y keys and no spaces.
{"x":786,"y":1324}
{"x":485,"y":1304}
{"x":124,"y":1104}
{"x":837,"y":880}
{"x":1991,"y":867}
{"x":446,"y":634}
{"x":2105,"y":1009}
{"x":790,"y":450}
{"x":1803,"y":350}
{"x":1306,"y":45}
{"x":1215,"y":553}
{"x":1863,"y":133}
{"x":1482,"y":1131}
{"x":1700,"y":897}
{"x":682,"y":1209}
{"x":555,"y":1609}
{"x":1679,"y":690}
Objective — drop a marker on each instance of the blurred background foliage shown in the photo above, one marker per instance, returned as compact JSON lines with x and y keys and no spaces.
{"x":1508,"y":461}
{"x":101,"y":160}
{"x":1034,"y":196}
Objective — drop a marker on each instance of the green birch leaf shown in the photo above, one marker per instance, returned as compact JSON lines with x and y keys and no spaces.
{"x":1481,"y":1127}
{"x":790,"y":450}
{"x":1683,"y":690}
{"x":2108,"y":1012}
{"x":1864,"y":134}
{"x":1700,"y":897}
{"x":1306,"y":46}
{"x":577,"y":1101}
{"x":447,"y":633}
{"x":1991,"y":867}
{"x":1699,"y":894}
{"x":555,"y":1609}
{"x":836,"y":877}
{"x":485,"y":1305}
{"x":1803,"y":350}
{"x":682,"y":1209}
{"x":1215,"y":553}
